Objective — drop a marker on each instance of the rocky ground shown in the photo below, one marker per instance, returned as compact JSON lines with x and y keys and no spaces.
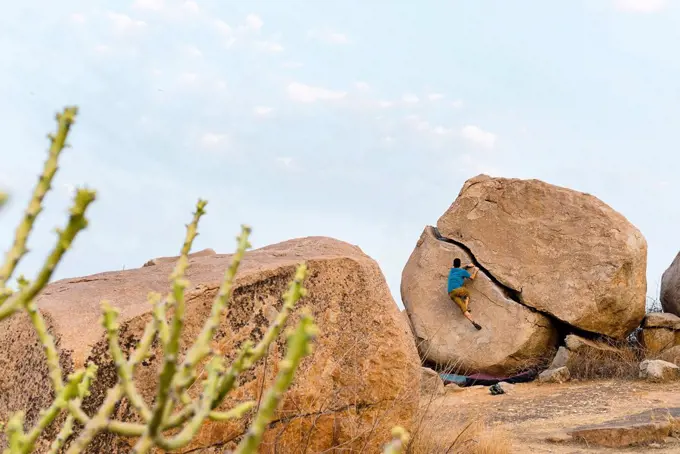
{"x":540,"y":417}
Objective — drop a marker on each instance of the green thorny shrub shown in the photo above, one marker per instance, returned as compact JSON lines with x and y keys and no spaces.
{"x":173,"y":407}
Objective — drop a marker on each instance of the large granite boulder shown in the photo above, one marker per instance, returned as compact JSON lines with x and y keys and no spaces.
{"x":564,"y":252}
{"x":512,"y":336}
{"x":362,"y":379}
{"x":670,"y":287}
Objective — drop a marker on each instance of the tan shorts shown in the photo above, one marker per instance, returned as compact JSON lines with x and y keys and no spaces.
{"x":460,"y":296}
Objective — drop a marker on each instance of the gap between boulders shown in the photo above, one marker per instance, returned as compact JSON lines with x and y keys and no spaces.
{"x":511,"y":293}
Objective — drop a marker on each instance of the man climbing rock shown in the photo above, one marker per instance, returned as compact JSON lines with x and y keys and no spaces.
{"x":456,"y":290}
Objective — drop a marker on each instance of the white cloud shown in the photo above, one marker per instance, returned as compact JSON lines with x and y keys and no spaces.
{"x":78,"y":18}
{"x":457,"y":103}
{"x":305,"y":93}
{"x":254,"y":22}
{"x":223,"y":27}
{"x":101,"y":48}
{"x":362,"y":86}
{"x":388,"y":140}
{"x":385,"y":104}
{"x":440,"y":130}
{"x":263,"y":111}
{"x":472,"y":165}
{"x":269,"y":46}
{"x":124,"y":23}
{"x":435,"y":96}
{"x":191,"y":6}
{"x":425,"y":126}
{"x":410,"y":98}
{"x":212,"y":140}
{"x":192,"y":51}
{"x":153,"y":5}
{"x":641,"y":6}
{"x":328,"y":36}
{"x":477,"y":136}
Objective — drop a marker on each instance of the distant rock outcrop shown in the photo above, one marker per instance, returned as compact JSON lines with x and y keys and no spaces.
{"x":670,"y":287}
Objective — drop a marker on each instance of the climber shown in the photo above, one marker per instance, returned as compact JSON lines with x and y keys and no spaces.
{"x":456,"y":290}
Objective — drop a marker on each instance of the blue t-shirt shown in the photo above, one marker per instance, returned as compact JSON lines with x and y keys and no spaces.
{"x":457,"y":278}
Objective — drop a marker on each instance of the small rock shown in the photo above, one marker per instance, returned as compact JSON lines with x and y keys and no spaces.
{"x":559,"y":375}
{"x":431,"y":384}
{"x":561,"y":358}
{"x":657,"y":370}
{"x":501,"y":388}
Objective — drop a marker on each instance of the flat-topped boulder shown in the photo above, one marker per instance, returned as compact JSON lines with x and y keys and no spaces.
{"x":512,"y":338}
{"x":564,"y":252}
{"x":362,"y":378}
{"x":660,"y":331}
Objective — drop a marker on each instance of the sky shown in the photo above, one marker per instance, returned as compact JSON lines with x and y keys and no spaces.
{"x":353,"y":119}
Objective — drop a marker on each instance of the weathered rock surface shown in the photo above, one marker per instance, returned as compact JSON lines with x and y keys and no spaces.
{"x":656,"y":370}
{"x":670,"y":287}
{"x":565,"y":252}
{"x":364,"y":368}
{"x":656,"y":340}
{"x":561,"y":358}
{"x":431,"y":384}
{"x":559,"y":375}
{"x":662,"y":320}
{"x":660,"y":331}
{"x":672,"y":355}
{"x":581,"y":345}
{"x":512,"y":337}
{"x":645,"y":427}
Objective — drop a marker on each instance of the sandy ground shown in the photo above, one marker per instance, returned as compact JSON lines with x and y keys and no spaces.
{"x":533,"y":413}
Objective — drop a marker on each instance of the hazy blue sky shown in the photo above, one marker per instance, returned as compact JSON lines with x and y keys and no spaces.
{"x":355,"y":119}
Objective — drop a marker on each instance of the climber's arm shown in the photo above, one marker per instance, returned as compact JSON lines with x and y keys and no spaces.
{"x":473,"y":275}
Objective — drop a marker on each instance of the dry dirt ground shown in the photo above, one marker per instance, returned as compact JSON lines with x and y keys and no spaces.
{"x":539,"y":415}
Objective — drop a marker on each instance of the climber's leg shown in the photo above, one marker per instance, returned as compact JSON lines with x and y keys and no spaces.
{"x":461,"y":296}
